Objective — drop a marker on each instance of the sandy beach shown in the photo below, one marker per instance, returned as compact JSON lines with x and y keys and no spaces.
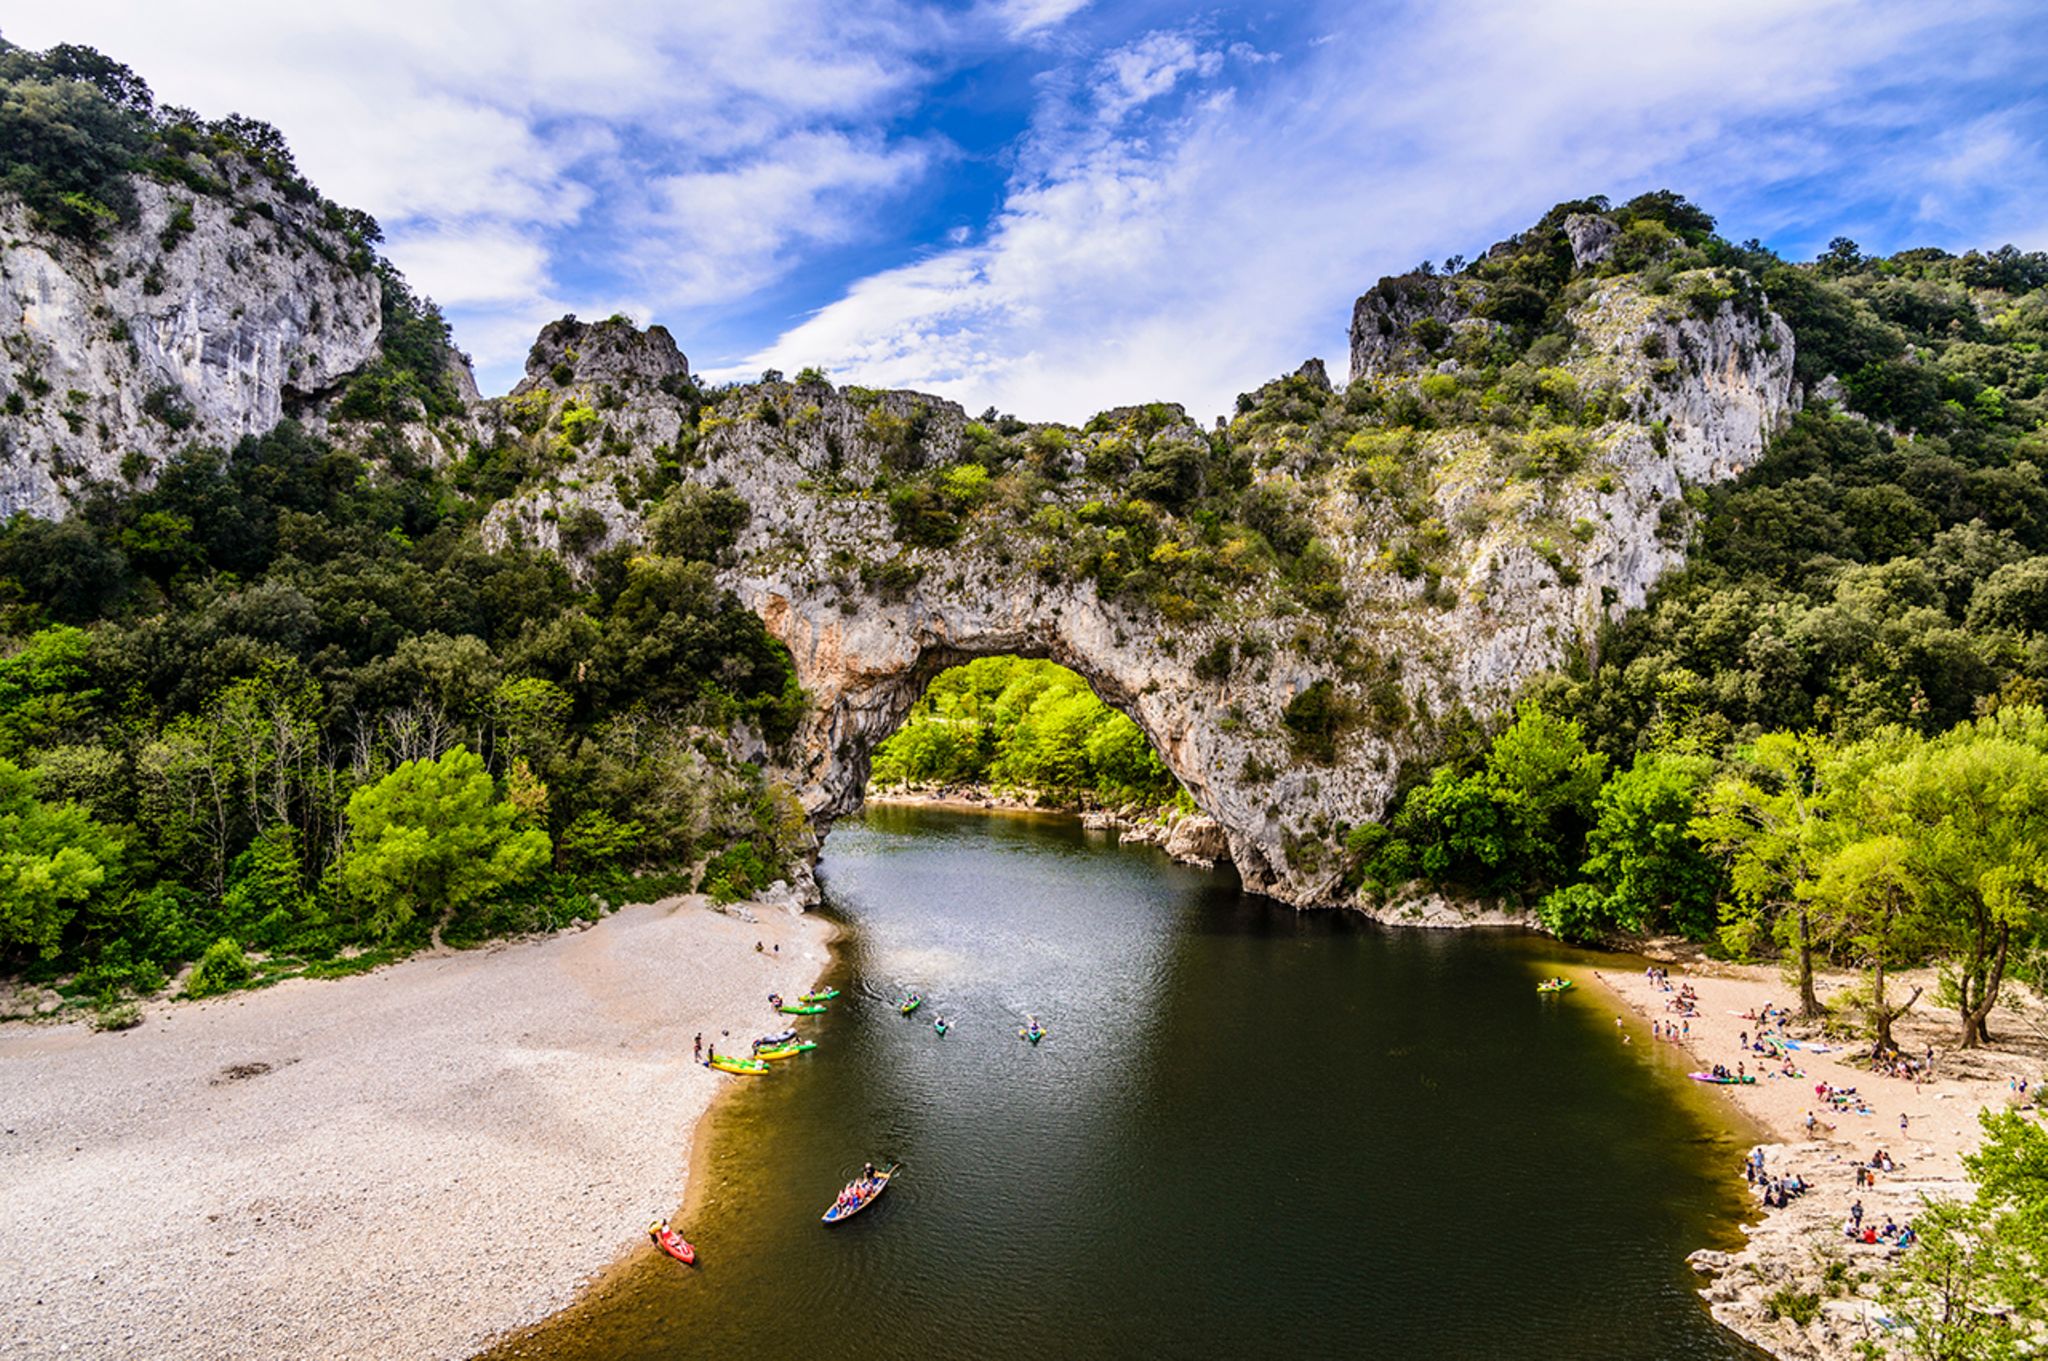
{"x":404,"y":1164}
{"x":1791,"y":1247}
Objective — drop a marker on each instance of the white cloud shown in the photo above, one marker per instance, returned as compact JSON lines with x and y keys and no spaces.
{"x":1023,"y":18}
{"x":1140,"y":72}
{"x":499,"y":140}
{"x":1194,"y":252}
{"x":461,"y":266}
{"x":719,"y":235}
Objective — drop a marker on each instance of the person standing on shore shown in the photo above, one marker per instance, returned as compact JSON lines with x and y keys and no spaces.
{"x":699,"y":1051}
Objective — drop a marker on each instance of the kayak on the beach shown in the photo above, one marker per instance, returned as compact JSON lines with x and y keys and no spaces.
{"x":825,"y":995}
{"x":777,"y":1040}
{"x":786,"y":1051}
{"x":859,"y":1194}
{"x":1555,"y":985}
{"x":1723,"y":1079}
{"x":672,"y":1243}
{"x":801,"y":1008}
{"x":726,"y":1063}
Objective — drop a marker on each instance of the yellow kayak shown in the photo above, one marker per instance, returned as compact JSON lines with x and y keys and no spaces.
{"x":738,"y":1067}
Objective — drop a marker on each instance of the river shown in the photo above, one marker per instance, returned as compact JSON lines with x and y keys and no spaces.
{"x":1250,"y":1132}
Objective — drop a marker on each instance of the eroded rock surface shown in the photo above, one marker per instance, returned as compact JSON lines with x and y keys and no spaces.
{"x":164,"y":334}
{"x":1362,"y":578}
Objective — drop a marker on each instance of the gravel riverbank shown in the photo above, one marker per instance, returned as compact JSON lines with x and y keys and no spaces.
{"x":403,"y":1164}
{"x":1790,"y":1251}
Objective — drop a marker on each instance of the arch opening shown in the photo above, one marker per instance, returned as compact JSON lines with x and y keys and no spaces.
{"x":1015,"y":729}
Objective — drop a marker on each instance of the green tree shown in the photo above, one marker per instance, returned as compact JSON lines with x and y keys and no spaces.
{"x":1867,"y":904}
{"x":54,"y":859}
{"x":431,"y":838}
{"x":1977,"y":1281}
{"x":266,"y":899}
{"x":1641,"y":860}
{"x":44,"y":690}
{"x":1765,"y":820}
{"x":1973,"y":797}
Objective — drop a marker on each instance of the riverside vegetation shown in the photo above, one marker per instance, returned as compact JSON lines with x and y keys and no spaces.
{"x":282,"y":700}
{"x":409,"y":665}
{"x":1030,"y":727}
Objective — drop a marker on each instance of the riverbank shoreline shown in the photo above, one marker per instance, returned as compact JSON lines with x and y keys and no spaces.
{"x":1789,"y":1251}
{"x":1189,"y":838}
{"x":411,"y":1163}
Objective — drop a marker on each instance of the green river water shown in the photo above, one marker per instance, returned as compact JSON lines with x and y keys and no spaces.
{"x":1251,"y":1132}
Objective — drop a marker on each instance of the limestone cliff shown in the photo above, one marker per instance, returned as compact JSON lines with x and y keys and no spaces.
{"x":1291,"y":606}
{"x":885,"y":542}
{"x":209,"y":317}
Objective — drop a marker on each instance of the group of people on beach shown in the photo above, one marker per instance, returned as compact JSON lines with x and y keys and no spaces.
{"x":1856,"y":1231}
{"x":1846,"y":1099}
{"x":1778,"y":1191}
{"x":1903,"y":1066}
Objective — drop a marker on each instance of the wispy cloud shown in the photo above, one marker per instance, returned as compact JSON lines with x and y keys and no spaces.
{"x":1159,"y":207}
{"x":1211,"y":243}
{"x":508,"y":145}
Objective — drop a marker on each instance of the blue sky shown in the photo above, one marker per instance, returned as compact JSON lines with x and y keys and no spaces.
{"x":1053,"y":206}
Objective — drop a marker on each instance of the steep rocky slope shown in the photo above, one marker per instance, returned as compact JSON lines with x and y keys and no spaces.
{"x":888,"y":536}
{"x":1291,"y":605}
{"x":118,"y":352}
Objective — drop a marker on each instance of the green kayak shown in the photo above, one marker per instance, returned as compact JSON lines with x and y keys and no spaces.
{"x":912,"y":1005}
{"x":811,"y":1009}
{"x":827,"y":995}
{"x":786,"y":1051}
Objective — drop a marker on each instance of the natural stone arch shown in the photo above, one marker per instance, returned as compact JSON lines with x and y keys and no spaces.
{"x":871,"y":606}
{"x":863,"y":676}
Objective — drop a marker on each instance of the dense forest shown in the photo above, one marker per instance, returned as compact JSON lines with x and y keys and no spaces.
{"x":282,"y":711}
{"x":1825,"y":732}
{"x":1033,"y":727}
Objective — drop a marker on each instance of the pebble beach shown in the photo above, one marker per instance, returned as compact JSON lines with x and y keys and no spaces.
{"x":400,"y":1165}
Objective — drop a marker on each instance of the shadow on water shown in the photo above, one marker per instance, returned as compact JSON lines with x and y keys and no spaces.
{"x":1250,"y":1132}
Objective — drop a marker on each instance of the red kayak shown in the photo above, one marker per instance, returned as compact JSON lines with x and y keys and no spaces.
{"x":672,"y":1243}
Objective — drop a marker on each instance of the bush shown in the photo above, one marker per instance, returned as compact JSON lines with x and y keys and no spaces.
{"x":111,"y":1013}
{"x":737,"y":872}
{"x":1314,"y":719}
{"x":699,"y":523}
{"x":222,"y":968}
{"x":1802,"y":1307}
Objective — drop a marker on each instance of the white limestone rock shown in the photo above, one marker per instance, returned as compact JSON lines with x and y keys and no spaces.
{"x":131,"y":349}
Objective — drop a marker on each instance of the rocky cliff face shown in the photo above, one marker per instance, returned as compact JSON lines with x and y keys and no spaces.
{"x":205,"y":320}
{"x":1290,"y":607}
{"x":1520,"y":563}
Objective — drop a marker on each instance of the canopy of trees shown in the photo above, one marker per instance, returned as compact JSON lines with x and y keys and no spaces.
{"x":1008,"y":723}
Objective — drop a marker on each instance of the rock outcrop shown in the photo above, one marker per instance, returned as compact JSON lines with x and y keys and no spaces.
{"x":204,"y":320}
{"x":1401,"y":321}
{"x":1526,"y":566}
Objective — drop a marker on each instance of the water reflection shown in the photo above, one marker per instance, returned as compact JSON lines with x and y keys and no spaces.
{"x":1251,"y":1132}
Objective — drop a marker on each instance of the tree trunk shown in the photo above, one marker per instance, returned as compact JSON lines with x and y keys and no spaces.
{"x":1809,"y":1005}
{"x":1881,"y":1018}
{"x":1977,"y":1012}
